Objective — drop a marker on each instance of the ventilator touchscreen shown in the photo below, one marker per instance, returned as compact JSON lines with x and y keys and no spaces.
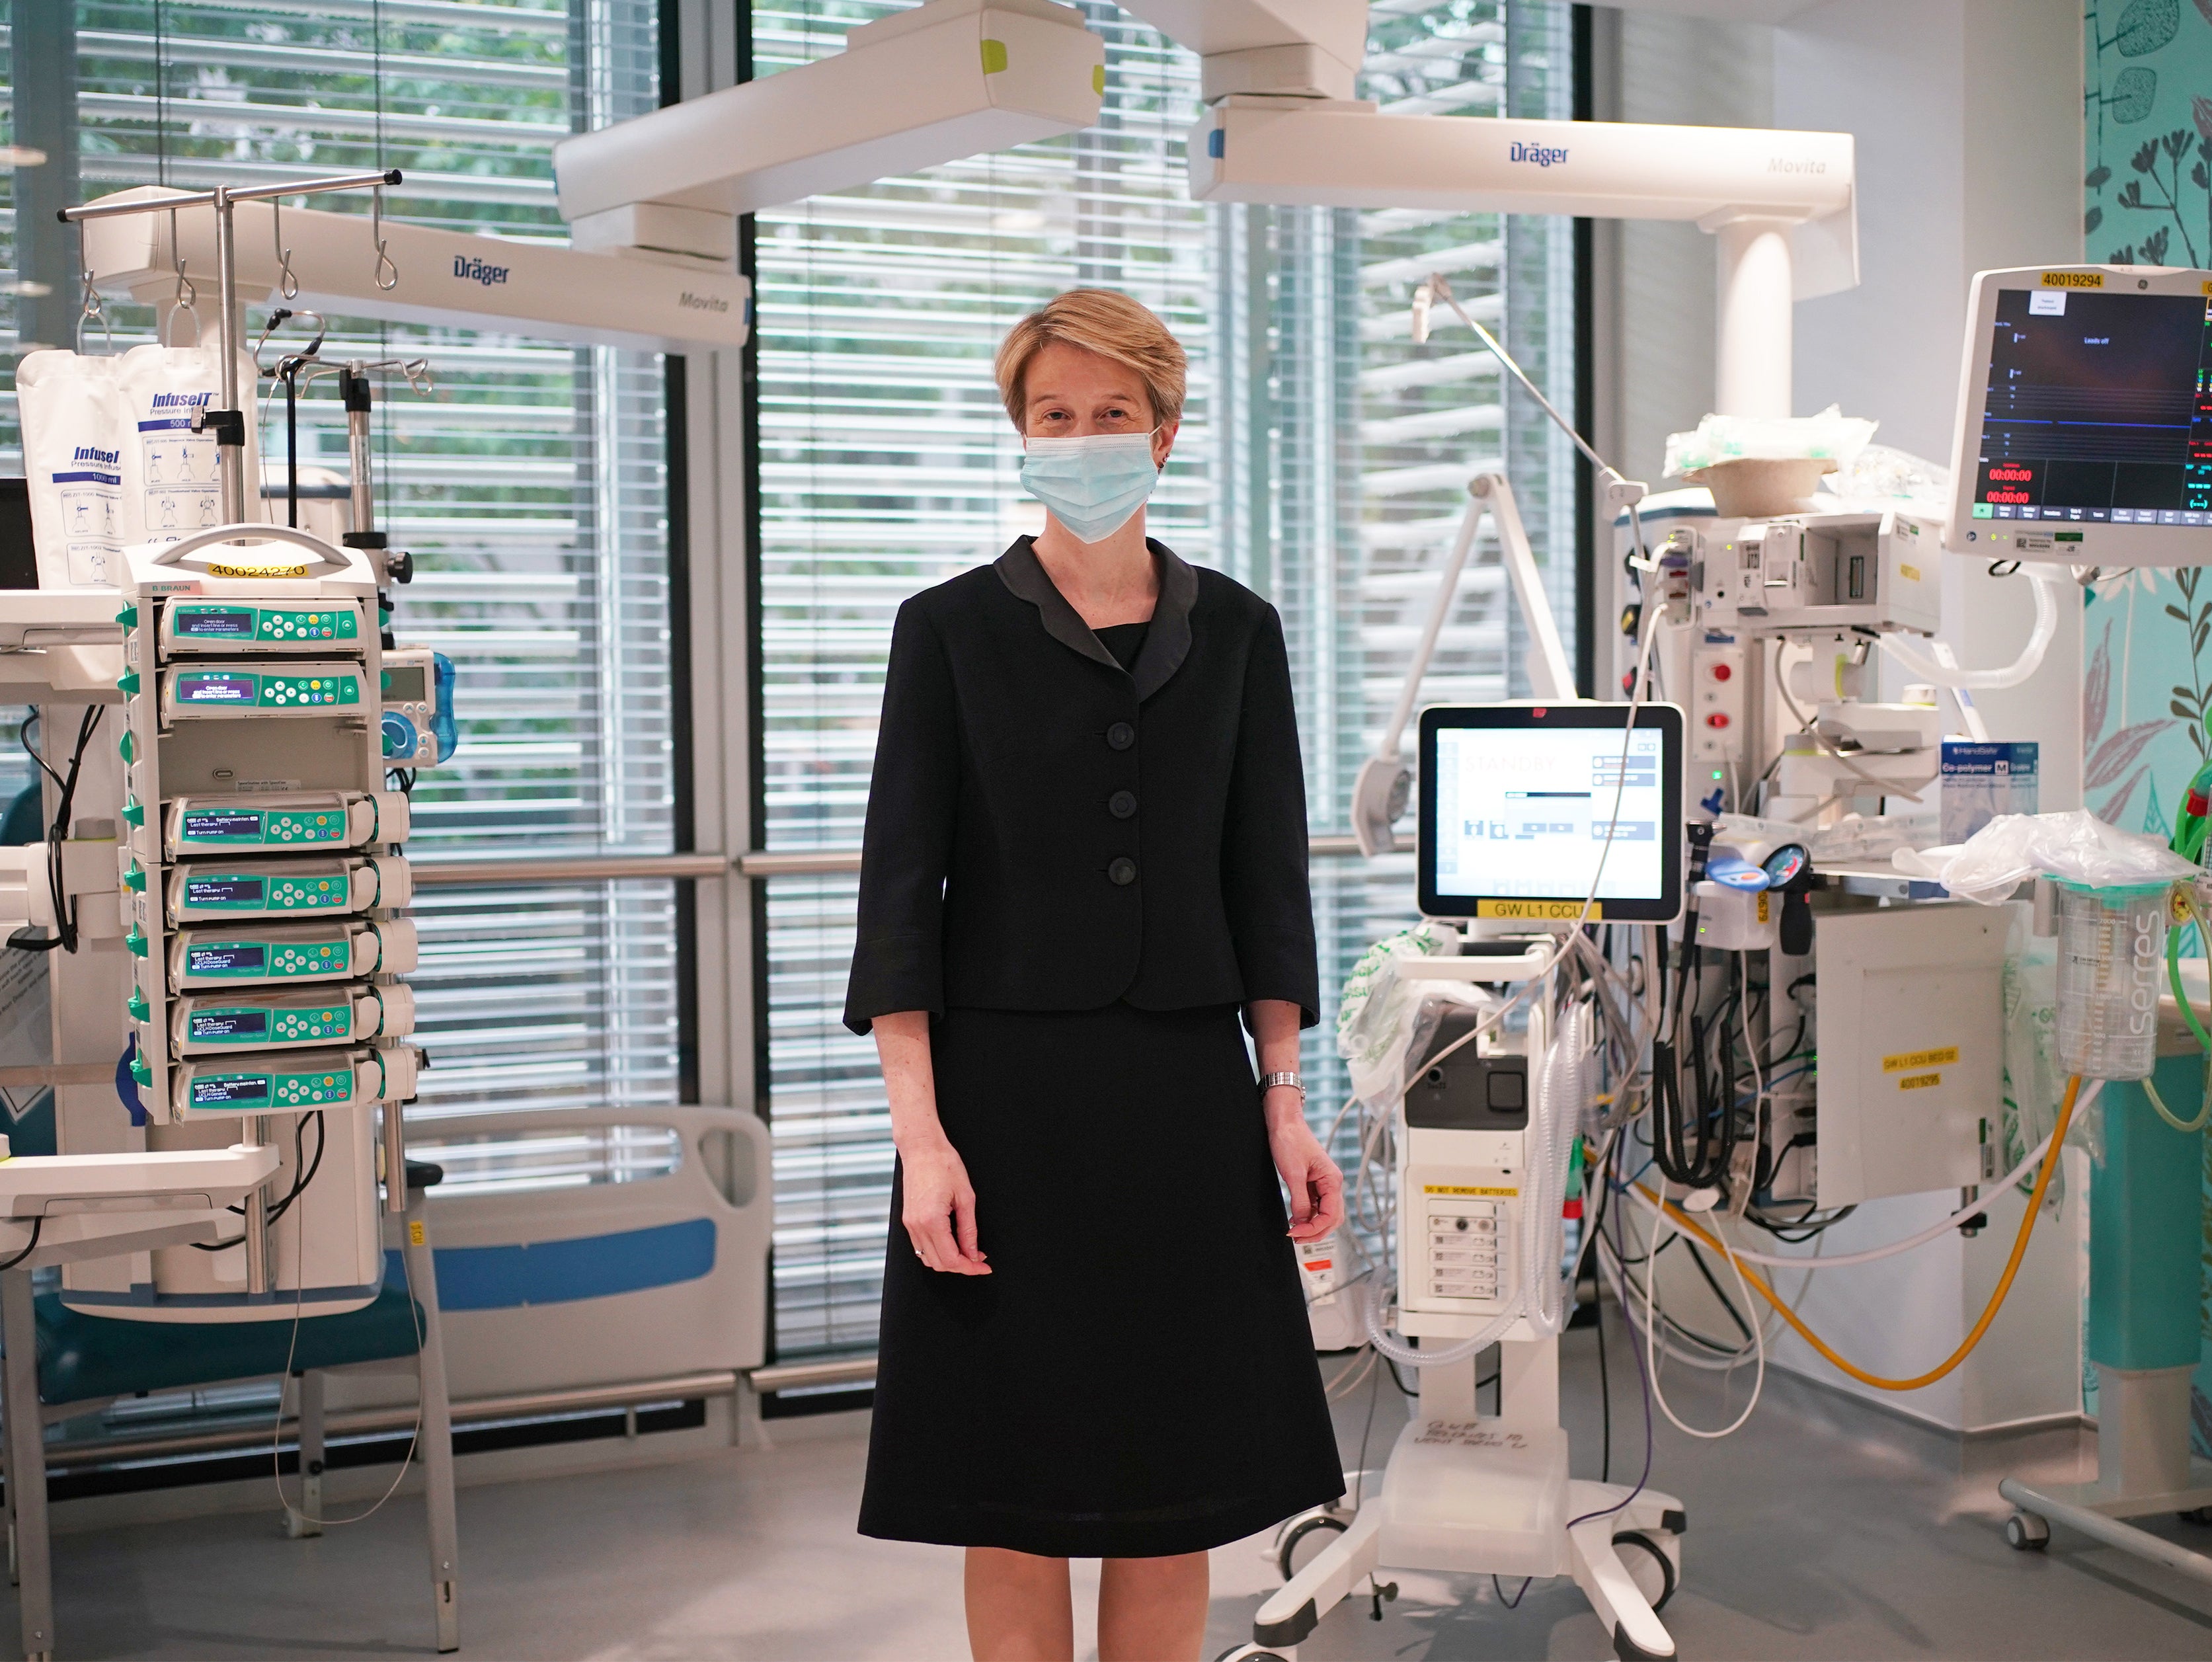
{"x":1526,"y":808}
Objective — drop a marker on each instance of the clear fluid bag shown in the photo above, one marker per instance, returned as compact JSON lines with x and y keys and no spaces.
{"x":2111,"y":965}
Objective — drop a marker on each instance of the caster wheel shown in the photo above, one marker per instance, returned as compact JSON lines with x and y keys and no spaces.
{"x":1246,"y":1653}
{"x":2195,"y":1515}
{"x":2026,"y":1533}
{"x":1304,"y":1539}
{"x":1648,"y":1566}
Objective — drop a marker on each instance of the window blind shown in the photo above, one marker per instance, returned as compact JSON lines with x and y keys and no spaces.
{"x":532,"y":489}
{"x":1322,"y":460}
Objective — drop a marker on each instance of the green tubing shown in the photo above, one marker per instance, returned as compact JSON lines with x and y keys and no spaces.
{"x":2173,"y":976}
{"x":2203,"y":1039}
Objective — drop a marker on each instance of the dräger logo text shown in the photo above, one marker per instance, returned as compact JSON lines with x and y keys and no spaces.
{"x":702,"y":302}
{"x":1542,"y":155}
{"x":475,"y":270}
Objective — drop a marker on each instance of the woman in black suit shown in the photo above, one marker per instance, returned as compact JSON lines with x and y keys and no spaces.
{"x":1086,"y":852}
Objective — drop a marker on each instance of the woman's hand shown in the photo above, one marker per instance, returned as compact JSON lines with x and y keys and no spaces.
{"x":939,"y":1211}
{"x":938,"y":1203}
{"x":1316,"y":1186}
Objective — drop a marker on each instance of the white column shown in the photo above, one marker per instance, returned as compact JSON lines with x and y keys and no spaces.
{"x":1753,"y":334}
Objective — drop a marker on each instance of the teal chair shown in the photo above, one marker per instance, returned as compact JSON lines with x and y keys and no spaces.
{"x":84,"y":1361}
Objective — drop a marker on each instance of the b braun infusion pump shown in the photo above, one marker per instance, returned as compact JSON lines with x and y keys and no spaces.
{"x":261,"y":874}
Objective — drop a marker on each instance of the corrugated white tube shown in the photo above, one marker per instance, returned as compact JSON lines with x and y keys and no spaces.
{"x":1988,"y":681}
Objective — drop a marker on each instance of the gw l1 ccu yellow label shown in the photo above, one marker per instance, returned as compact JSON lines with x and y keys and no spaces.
{"x":1907,"y":1061}
{"x":1542,"y":912}
{"x":1465,"y":1188}
{"x":2073,"y":279}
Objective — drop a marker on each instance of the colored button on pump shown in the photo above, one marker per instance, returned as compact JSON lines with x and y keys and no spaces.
{"x":1717,"y":718}
{"x":1122,"y":804}
{"x":1120,"y":735}
{"x":1122,"y":872}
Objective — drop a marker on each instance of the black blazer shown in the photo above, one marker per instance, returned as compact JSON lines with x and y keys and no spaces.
{"x":1050,"y":832}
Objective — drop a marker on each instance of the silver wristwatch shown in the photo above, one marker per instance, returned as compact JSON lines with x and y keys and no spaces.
{"x":1269,"y":1082}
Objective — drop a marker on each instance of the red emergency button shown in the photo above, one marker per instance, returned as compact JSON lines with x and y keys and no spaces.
{"x":1717,"y":720}
{"x":1722,"y":673}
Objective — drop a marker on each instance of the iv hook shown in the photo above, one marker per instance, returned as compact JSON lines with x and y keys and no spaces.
{"x":384,"y":262}
{"x":288,"y":285}
{"x":187,"y":295}
{"x":92,"y":311}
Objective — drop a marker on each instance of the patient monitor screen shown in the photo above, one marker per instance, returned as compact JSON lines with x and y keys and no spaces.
{"x":1525,"y":808}
{"x":2094,"y":410}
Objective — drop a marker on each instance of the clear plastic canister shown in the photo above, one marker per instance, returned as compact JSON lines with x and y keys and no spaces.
{"x":2111,"y":965}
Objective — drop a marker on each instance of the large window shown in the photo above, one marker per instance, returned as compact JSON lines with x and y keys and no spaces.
{"x":532,"y":489}
{"x":1323,"y":461}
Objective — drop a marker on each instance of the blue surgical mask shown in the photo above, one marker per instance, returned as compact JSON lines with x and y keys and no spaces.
{"x":1093,"y":484}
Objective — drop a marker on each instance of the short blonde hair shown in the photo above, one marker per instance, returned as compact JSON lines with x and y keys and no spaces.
{"x":1104,"y":321}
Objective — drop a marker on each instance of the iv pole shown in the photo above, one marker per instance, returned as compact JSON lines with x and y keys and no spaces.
{"x":229,"y":422}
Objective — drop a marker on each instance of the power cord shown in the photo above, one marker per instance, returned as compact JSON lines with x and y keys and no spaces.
{"x":65,"y":935}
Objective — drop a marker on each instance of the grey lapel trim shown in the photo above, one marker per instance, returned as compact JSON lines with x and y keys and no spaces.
{"x":1167,"y":643}
{"x":1017,"y":567}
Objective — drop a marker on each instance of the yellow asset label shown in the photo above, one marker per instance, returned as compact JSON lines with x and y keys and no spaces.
{"x":1465,"y":1188}
{"x":1905,"y":1061}
{"x":1544,"y":911}
{"x":2073,"y":279}
{"x":1762,"y":905}
{"x":1910,"y":573}
{"x":1919,"y":1081}
{"x":215,"y":570}
{"x":415,"y":1236}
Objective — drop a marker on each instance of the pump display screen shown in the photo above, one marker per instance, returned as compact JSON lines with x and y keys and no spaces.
{"x":207,"y":624}
{"x":223,"y":891}
{"x":230,"y":1090}
{"x":406,"y":685}
{"x":2095,"y":410}
{"x":206,"y":1025}
{"x":237,"y":958}
{"x":221,"y":826}
{"x":1524,"y":808}
{"x":216,"y":687}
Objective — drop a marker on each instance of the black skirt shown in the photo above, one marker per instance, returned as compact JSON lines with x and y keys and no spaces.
{"x":1136,"y":1376}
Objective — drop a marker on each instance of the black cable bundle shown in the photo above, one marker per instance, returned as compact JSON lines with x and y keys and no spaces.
{"x":64,"y":936}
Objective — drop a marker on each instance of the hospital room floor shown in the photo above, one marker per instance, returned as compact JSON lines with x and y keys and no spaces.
{"x":1824,"y":1530}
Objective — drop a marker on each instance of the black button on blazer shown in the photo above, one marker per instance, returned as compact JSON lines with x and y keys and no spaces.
{"x":1050,"y":832}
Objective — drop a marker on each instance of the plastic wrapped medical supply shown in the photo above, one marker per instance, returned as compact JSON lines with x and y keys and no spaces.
{"x":1830,"y":437}
{"x":2111,"y":960}
{"x":1882,"y":476}
{"x":1983,"y":781}
{"x":1388,"y":1012}
{"x":2075,"y":848}
{"x":71,"y":412}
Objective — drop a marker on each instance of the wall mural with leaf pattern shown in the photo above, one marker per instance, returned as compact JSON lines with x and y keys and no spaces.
{"x":2147,"y":199}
